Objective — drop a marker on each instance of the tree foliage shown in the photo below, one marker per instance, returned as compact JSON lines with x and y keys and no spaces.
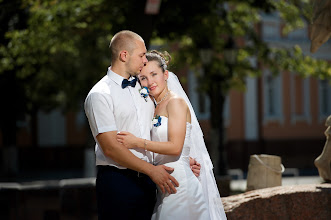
{"x":239,"y":20}
{"x":62,"y":49}
{"x":55,"y":50}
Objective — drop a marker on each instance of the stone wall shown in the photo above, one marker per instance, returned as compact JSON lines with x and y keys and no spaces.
{"x":284,"y":202}
{"x":52,"y":200}
{"x":75,"y":199}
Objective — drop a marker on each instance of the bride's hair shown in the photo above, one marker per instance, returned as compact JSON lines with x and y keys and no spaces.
{"x":163,"y":59}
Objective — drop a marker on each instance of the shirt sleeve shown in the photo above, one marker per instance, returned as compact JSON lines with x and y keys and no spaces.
{"x":99,"y":110}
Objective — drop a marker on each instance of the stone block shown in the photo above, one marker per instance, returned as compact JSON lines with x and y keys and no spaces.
{"x":302,"y":202}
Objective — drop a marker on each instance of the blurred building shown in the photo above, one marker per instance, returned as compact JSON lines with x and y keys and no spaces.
{"x":60,"y":151}
{"x":281,"y":115}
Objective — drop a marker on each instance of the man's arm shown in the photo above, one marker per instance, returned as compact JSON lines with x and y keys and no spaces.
{"x":159,"y":174}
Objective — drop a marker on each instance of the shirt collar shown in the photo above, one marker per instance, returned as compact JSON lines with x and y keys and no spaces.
{"x":115,"y":77}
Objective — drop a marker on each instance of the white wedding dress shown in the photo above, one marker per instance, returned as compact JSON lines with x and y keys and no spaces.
{"x":189,"y":202}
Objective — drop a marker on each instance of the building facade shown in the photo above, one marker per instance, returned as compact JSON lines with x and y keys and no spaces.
{"x":280,"y":115}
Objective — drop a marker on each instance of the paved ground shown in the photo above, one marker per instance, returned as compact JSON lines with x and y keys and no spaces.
{"x":240,"y":185}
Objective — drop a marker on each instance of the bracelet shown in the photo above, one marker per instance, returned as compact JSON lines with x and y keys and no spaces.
{"x":145,"y":145}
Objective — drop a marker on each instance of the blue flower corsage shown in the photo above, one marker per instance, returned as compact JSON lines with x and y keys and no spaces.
{"x":157,"y":121}
{"x":144,"y":92}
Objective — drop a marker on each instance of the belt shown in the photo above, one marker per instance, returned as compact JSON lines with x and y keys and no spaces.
{"x":126,"y":172}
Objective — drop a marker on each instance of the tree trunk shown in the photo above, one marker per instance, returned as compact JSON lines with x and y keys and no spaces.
{"x":217,"y":99}
{"x":34,"y":128}
{"x":8,"y":124}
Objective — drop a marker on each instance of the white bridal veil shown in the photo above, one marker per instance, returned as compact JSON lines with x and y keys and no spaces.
{"x":200,"y":153}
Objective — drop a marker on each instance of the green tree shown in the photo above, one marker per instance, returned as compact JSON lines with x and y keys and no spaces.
{"x":54,"y":51}
{"x":226,"y":24}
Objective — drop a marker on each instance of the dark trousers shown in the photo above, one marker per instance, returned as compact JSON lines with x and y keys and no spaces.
{"x":124,"y":194}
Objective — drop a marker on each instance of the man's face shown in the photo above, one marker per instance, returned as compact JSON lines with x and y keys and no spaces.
{"x":137,"y":59}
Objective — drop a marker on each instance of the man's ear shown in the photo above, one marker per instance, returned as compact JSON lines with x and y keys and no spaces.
{"x":124,"y":55}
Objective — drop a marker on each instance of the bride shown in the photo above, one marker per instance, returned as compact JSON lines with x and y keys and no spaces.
{"x":176,"y":134}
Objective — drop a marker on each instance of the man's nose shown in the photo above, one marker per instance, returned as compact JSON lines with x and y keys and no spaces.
{"x":145,"y":60}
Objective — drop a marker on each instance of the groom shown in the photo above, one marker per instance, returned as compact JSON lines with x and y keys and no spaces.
{"x":126,"y":179}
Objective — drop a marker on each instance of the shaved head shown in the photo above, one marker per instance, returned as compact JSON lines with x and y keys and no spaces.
{"x":123,"y":40}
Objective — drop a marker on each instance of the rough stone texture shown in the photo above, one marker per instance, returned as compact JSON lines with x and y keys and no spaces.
{"x":302,"y":202}
{"x":75,"y":200}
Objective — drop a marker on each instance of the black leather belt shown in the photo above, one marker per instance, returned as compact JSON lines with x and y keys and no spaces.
{"x":126,"y":172}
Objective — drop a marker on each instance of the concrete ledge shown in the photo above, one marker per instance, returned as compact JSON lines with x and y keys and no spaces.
{"x":302,"y":202}
{"x":75,"y":199}
{"x":59,"y":199}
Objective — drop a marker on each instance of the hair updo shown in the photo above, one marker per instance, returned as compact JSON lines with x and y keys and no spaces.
{"x":163,"y":59}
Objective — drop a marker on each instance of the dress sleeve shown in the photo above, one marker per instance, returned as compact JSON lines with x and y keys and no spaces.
{"x":99,"y":110}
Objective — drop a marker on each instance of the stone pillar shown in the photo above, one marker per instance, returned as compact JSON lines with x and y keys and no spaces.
{"x":323,"y":161}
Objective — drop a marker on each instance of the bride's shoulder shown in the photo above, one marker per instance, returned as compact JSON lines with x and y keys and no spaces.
{"x":176,"y":101}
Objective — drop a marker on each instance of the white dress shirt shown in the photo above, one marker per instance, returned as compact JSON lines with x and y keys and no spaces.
{"x":108,"y":107}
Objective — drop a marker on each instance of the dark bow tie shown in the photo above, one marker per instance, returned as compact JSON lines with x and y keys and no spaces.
{"x":126,"y":83}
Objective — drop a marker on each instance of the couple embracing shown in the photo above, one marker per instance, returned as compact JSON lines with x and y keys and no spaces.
{"x":147,"y":135}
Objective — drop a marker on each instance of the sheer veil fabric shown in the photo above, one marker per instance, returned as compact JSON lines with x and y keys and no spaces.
{"x":200,"y":153}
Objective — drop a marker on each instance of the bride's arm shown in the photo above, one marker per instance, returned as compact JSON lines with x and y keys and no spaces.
{"x":177,"y":112}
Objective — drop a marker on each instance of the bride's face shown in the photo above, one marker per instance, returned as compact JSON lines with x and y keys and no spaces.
{"x":152,"y":77}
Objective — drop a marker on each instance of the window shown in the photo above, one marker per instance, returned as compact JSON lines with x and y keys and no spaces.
{"x":201,"y":102}
{"x":51,"y":128}
{"x":226,"y":111}
{"x":299,"y":34}
{"x":270,"y":27}
{"x":272,"y":90}
{"x":300,"y":99}
{"x":324,"y":99}
{"x":251,"y":109}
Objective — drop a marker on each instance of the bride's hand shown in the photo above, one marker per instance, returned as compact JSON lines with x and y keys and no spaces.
{"x":127,"y":139}
{"x":195,"y":167}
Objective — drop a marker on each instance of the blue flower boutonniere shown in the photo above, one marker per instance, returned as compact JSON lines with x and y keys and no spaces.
{"x":144,"y":92}
{"x":157,"y":121}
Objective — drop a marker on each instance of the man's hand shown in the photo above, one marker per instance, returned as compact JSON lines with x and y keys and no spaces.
{"x":195,"y":167}
{"x":161,"y":177}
